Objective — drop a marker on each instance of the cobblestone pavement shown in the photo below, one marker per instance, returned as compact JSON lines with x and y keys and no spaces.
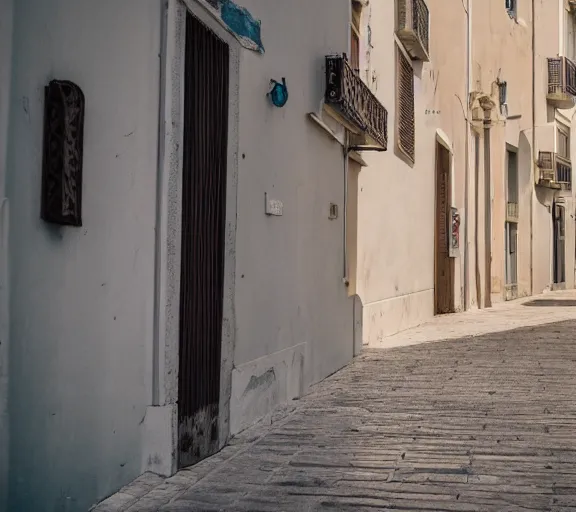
{"x":472,"y":424}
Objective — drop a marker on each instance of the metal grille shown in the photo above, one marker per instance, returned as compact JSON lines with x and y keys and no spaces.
{"x":512,"y":210}
{"x":421,"y":22}
{"x":405,"y":106}
{"x":351,"y":97}
{"x":546,"y":160}
{"x":203,"y":240}
{"x":561,"y":76}
{"x":63,"y":153}
{"x":414,"y":15}
{"x":404,"y":15}
{"x":563,"y":171}
{"x":555,"y":169}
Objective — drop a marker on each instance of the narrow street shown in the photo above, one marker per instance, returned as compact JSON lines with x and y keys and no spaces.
{"x":484,"y":421}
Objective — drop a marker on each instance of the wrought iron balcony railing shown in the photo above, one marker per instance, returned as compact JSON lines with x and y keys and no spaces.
{"x":353,"y":101}
{"x":561,"y":82}
{"x":414,"y":28}
{"x":555,"y":171}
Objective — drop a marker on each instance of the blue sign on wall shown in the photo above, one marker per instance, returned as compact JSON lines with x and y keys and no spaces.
{"x":240,"y":22}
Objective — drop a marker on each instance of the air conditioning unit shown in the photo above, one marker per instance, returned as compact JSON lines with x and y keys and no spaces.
{"x":554,"y":171}
{"x":561,"y":82}
{"x":413,"y":23}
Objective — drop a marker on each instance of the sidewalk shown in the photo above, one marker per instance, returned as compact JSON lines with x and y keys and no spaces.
{"x":482,"y":422}
{"x":504,"y":316}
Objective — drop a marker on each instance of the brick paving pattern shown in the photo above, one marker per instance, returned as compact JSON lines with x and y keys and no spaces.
{"x":474,"y":424}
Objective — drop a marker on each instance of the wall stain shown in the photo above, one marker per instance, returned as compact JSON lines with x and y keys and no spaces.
{"x":263,"y":381}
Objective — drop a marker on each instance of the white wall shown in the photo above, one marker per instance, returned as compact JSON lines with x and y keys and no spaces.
{"x":82,"y":298}
{"x":294,"y":319}
{"x":5,"y":77}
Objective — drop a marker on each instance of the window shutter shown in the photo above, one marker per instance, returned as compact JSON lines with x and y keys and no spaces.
{"x":405,"y":132}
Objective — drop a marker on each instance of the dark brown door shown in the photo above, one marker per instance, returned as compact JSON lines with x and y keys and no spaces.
{"x":559,"y":244}
{"x":203,"y":239}
{"x":444,"y":273}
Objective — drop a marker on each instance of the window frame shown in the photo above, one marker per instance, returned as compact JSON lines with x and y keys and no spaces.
{"x":355,"y":35}
{"x":563,"y":131}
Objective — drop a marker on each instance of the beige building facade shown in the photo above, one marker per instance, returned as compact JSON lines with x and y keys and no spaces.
{"x":467,"y":220}
{"x":401,"y":192}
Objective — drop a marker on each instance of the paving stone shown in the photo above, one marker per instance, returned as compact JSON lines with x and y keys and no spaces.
{"x":482,"y":423}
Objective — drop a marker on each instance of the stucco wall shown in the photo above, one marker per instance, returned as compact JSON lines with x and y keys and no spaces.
{"x":502,"y":51}
{"x":397,"y":201}
{"x":82,"y":298}
{"x":5,"y":78}
{"x":549,"y":42}
{"x":294,"y":318}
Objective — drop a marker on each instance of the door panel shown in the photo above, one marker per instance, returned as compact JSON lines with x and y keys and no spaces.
{"x":444,"y":280}
{"x":559,"y":244}
{"x":203,"y":240}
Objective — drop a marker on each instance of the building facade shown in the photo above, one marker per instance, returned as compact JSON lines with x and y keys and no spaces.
{"x":213,"y":206}
{"x":405,"y":274}
{"x":228,"y":303}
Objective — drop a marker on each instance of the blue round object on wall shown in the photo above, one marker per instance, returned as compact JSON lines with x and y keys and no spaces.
{"x":279,"y":93}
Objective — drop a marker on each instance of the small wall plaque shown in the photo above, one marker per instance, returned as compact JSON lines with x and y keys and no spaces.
{"x":63,"y":153}
{"x":274,"y":207}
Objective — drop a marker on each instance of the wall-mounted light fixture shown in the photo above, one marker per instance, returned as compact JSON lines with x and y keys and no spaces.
{"x":333,"y":212}
{"x":63,"y":153}
{"x":278,"y":93}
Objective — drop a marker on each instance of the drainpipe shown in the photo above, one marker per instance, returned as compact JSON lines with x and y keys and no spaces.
{"x":476,"y":219}
{"x":467,"y":152}
{"x":534,"y":155}
{"x":346,"y":150}
{"x":487,"y":213}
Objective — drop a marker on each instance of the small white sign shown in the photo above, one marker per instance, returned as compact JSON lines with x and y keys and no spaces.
{"x":273,"y":206}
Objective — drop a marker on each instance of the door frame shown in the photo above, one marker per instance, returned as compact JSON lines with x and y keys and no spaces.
{"x":160,"y":443}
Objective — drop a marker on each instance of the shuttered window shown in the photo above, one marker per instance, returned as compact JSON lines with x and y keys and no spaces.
{"x":563,"y":141}
{"x":355,"y":36}
{"x":405,"y":129}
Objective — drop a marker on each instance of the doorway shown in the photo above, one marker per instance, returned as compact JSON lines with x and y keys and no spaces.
{"x":205,"y":145}
{"x":559,"y":254}
{"x":443,"y":264}
{"x":511,"y":224}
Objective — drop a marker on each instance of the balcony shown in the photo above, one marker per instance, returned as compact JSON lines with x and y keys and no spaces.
{"x":512,"y":211}
{"x":555,"y":171}
{"x":351,"y":102}
{"x":414,"y":28}
{"x":561,"y":82}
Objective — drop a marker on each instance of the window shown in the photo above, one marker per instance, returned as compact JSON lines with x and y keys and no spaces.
{"x":570,"y":39}
{"x":355,"y":36}
{"x":405,"y":125}
{"x":512,"y":176}
{"x":563,"y":135}
{"x":511,"y":8}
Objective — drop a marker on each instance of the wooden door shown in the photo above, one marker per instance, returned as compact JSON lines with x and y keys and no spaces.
{"x":444,"y":266}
